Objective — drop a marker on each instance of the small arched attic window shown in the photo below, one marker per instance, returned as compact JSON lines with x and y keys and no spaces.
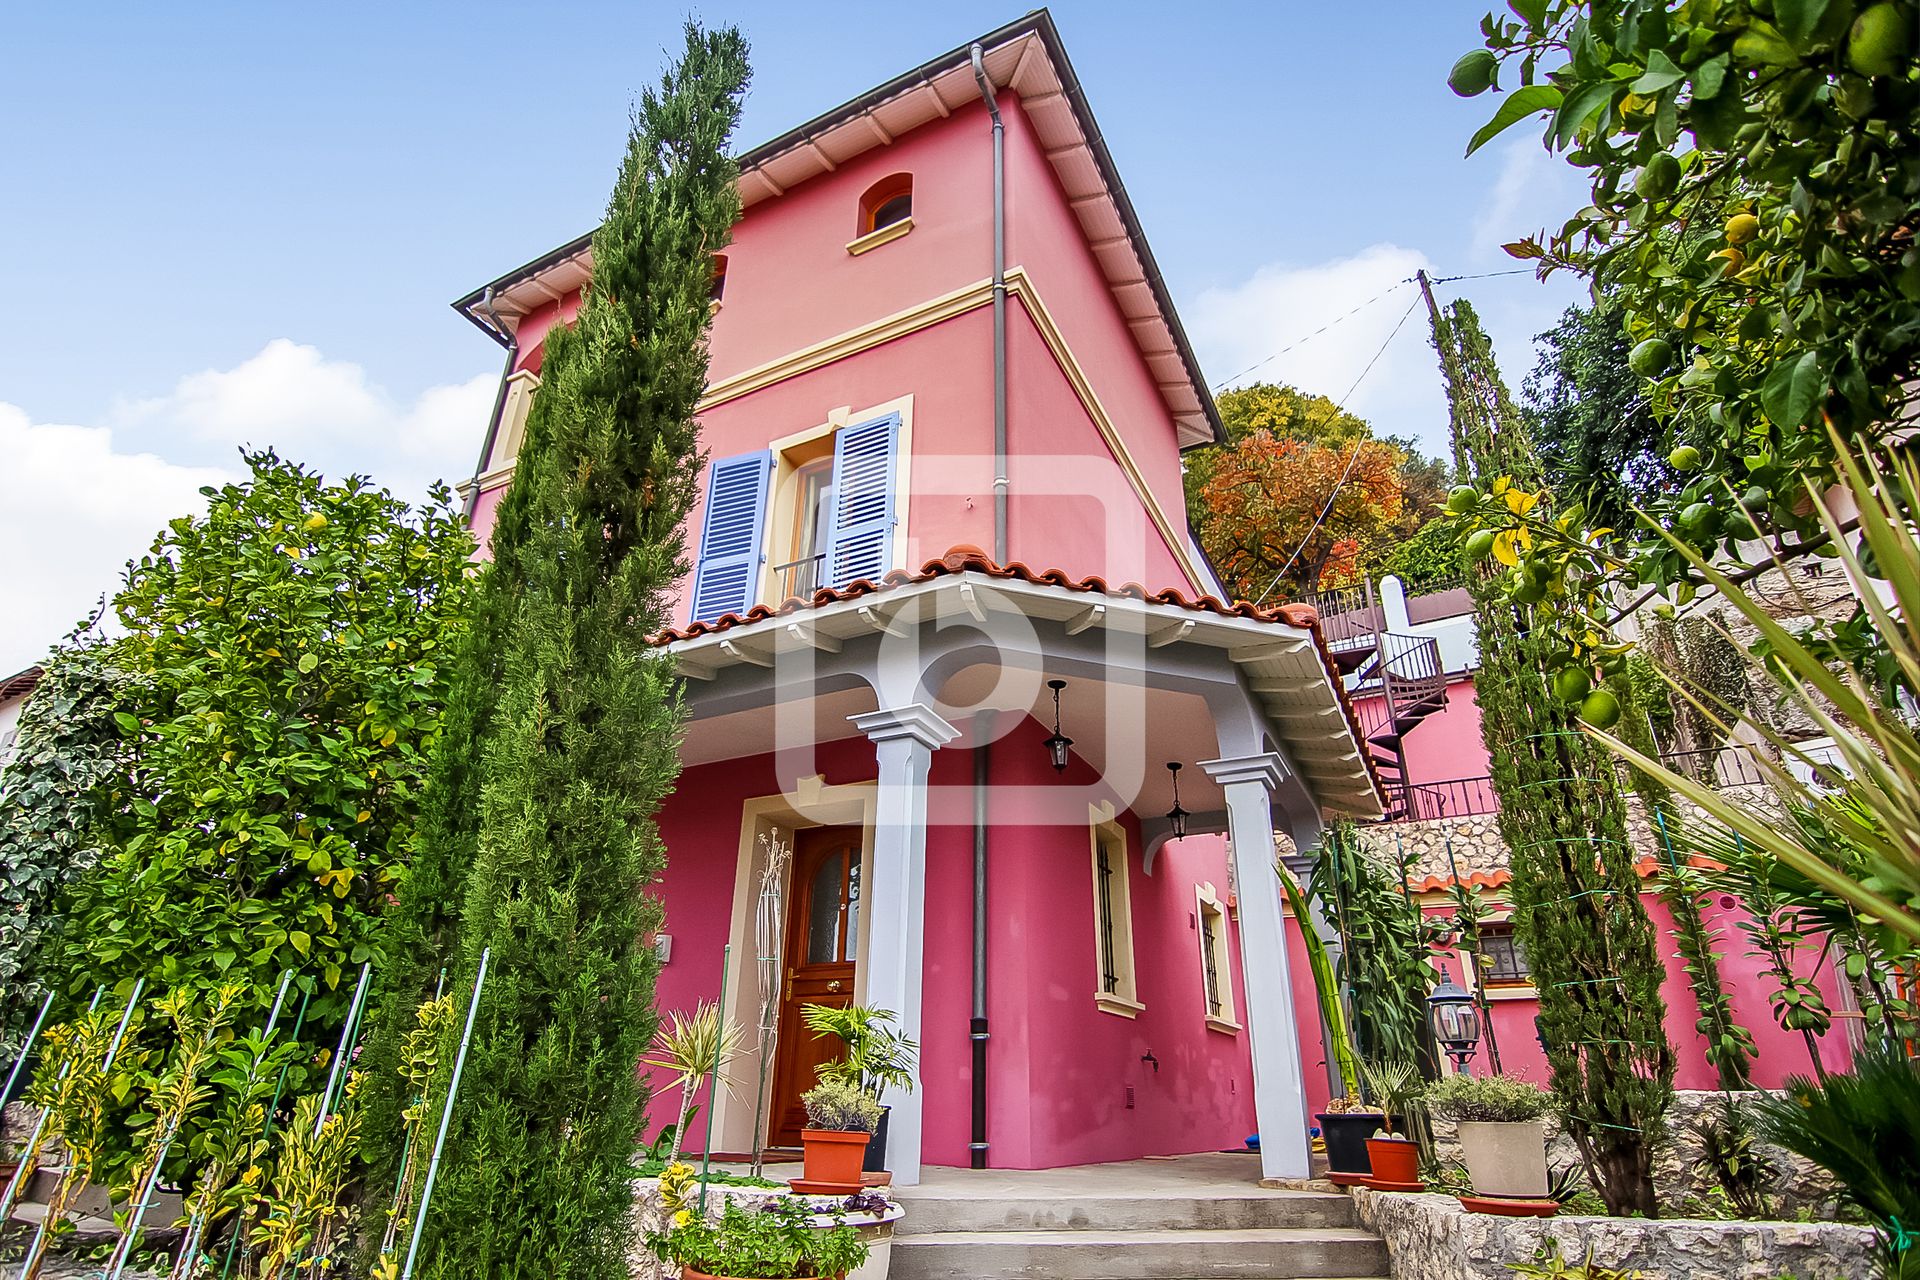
{"x":887,"y":201}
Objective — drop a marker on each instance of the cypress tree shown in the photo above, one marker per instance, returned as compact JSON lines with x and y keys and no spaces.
{"x":1592,"y":948}
{"x":563,"y":737}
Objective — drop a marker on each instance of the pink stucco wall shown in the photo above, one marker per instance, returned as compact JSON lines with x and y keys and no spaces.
{"x":791,"y":284}
{"x":1059,"y":1067}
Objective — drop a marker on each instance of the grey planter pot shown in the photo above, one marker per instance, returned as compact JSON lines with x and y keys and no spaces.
{"x":1507,"y":1160}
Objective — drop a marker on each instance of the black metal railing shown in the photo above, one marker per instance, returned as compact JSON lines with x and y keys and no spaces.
{"x":799,"y":577}
{"x":1733,"y":765}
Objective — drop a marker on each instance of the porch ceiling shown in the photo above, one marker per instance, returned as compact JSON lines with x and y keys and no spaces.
{"x":1281,"y":659}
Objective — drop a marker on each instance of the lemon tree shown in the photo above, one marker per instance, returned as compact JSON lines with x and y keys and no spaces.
{"x":1755,"y":171}
{"x":281,"y":695}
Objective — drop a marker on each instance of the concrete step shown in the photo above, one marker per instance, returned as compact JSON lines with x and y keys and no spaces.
{"x":1272,"y":1253}
{"x":1175,"y":1209}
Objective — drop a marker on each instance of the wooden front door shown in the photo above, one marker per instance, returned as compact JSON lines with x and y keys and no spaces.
{"x":823,"y":935}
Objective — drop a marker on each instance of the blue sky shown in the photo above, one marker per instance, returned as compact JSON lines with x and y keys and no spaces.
{"x":231,"y":222}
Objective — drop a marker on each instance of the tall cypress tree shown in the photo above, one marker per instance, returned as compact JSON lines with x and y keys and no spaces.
{"x":1594,"y":954}
{"x":565,"y":731}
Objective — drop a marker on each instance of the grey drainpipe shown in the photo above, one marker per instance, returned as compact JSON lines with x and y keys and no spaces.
{"x":999,"y":307}
{"x":977,"y":1028}
{"x":500,"y":334}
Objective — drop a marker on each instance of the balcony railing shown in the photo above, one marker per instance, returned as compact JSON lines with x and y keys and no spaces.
{"x":1732,"y":765}
{"x":799,"y":577}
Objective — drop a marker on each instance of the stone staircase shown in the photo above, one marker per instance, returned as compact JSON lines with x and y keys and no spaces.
{"x":1196,"y":1218}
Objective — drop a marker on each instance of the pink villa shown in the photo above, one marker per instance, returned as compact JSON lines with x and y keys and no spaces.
{"x":947,"y":634}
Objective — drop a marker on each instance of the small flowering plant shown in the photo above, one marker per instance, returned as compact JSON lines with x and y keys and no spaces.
{"x":778,"y":1241}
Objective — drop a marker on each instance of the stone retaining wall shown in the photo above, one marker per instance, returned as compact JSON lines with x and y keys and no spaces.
{"x":1430,"y":1237}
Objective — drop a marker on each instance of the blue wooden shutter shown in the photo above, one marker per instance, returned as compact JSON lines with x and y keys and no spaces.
{"x":726,"y":577}
{"x":860,"y":544}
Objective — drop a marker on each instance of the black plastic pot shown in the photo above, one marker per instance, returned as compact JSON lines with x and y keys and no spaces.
{"x":877,"y":1149}
{"x":1346,"y":1133}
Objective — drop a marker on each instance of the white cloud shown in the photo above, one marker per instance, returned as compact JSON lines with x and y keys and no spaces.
{"x":80,"y":501}
{"x":73,"y":511}
{"x":1282,"y":305}
{"x":1536,"y":190}
{"x":320,"y":412}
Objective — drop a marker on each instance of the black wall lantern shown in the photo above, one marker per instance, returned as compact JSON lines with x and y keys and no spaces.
{"x":1057,"y":745}
{"x":1454,"y":1019}
{"x":1176,"y":816}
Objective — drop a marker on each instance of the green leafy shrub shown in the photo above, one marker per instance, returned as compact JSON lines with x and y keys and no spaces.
{"x":841,"y":1105}
{"x":1490,"y":1099}
{"x":1864,"y":1128}
{"x":876,"y":1057}
{"x":777,"y":1242}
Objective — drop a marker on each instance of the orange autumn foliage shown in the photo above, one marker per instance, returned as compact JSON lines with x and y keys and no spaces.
{"x":1258,"y":506}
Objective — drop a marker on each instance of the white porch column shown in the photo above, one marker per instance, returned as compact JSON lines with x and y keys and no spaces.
{"x":904,"y":740}
{"x":1279,"y":1096}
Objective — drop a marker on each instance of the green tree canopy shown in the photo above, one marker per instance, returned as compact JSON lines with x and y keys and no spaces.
{"x":281,"y":686}
{"x":1592,"y":420}
{"x":560,"y":772}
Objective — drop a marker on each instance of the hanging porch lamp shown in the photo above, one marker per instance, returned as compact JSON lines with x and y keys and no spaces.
{"x":1057,"y":745}
{"x":1454,"y":1019}
{"x":1176,"y":816}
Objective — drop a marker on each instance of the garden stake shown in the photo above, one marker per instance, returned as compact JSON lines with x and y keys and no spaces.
{"x":406,"y":1156}
{"x":440,"y":1138}
{"x":713,"y":1084}
{"x":190,"y":1239}
{"x":26,"y":1048}
{"x":31,"y":1151}
{"x":266,"y":1131}
{"x":346,"y":1040}
{"x":35,"y":1254}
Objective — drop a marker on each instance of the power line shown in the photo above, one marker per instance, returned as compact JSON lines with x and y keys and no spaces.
{"x":1261,"y":364}
{"x":1316,"y":333}
{"x":1326,"y":510}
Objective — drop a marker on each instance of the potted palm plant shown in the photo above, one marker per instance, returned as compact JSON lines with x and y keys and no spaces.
{"x":1347,"y":1121}
{"x":1503,"y":1135}
{"x":780,"y":1241}
{"x":1393,"y":1154}
{"x":874,"y":1057}
{"x":841,"y":1118}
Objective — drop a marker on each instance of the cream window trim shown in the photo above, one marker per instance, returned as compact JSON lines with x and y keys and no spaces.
{"x":1206,"y":902}
{"x":1112,"y":915}
{"x":885,"y":235}
{"x":521,"y":385}
{"x":794,"y":450}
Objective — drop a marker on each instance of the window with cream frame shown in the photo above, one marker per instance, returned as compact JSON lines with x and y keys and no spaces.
{"x":799,"y":488}
{"x":1116,"y":988}
{"x":521,"y":385}
{"x":1216,"y":967}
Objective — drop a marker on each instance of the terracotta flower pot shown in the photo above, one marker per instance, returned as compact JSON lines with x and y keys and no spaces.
{"x":1346,"y":1134}
{"x":1506,"y":1159}
{"x":831,"y":1157}
{"x":1396,"y":1164}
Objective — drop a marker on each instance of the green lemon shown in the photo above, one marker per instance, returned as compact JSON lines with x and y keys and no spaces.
{"x":1697,"y":519}
{"x":1600,"y":709}
{"x":1659,"y":178}
{"x":1881,"y":41}
{"x":1463,"y":499}
{"x":1651,"y":358}
{"x":1685,"y":458}
{"x":1473,"y":74}
{"x":1571,"y":684}
{"x":1480,"y":545}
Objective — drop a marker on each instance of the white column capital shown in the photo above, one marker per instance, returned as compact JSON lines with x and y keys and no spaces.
{"x":1266,"y":768}
{"x":915,"y":721}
